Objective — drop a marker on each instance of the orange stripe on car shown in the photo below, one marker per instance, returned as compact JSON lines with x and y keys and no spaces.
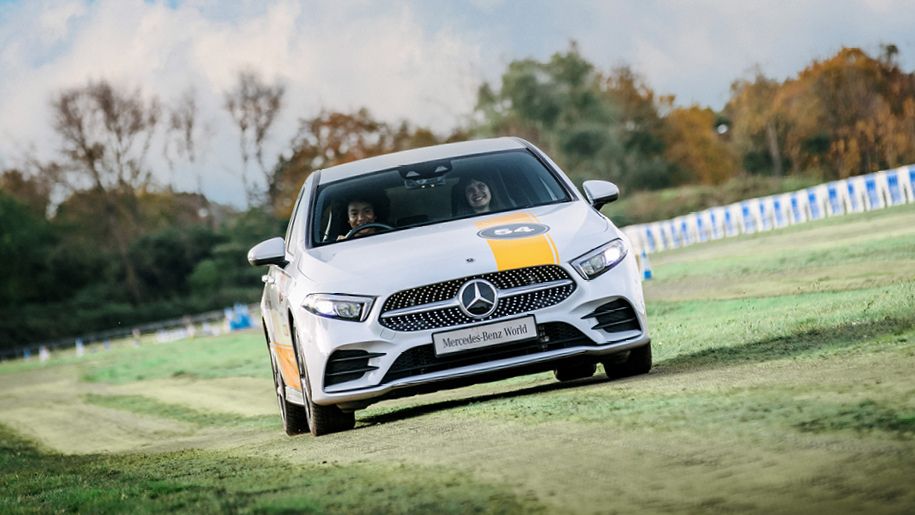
{"x":520,"y":252}
{"x":286,"y":361}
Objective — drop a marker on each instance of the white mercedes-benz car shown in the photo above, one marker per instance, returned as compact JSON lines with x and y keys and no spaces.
{"x":441,"y":267}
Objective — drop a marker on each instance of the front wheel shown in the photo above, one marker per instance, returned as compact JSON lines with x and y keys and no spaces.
{"x":295,"y":419}
{"x":638,"y":362}
{"x":321,"y":420}
{"x":324,"y":420}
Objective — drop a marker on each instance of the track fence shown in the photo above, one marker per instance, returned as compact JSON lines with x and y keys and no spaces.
{"x":835,"y":198}
{"x":210,"y":323}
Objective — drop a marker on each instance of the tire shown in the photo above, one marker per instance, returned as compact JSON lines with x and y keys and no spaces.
{"x":575,"y":371}
{"x":638,"y":363}
{"x":329,"y":419}
{"x":319,"y":420}
{"x":294,"y":416}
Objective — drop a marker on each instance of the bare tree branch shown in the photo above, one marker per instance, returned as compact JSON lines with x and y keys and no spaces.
{"x":185,"y":135}
{"x":106,"y":134}
{"x":254,"y":106}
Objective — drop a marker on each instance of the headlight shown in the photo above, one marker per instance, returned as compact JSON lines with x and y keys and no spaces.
{"x":343,"y":307}
{"x":601,"y":259}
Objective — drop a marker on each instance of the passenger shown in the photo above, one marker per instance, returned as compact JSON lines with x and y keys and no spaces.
{"x":474,"y":196}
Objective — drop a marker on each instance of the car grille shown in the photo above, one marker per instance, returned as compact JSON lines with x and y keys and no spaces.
{"x":614,"y":317}
{"x":422,"y":359}
{"x":435,"y":305}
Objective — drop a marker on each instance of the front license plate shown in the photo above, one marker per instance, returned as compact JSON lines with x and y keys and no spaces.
{"x":479,"y":336}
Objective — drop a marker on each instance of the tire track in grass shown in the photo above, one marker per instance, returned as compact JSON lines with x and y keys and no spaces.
{"x":140,"y":405}
{"x":827,"y":339}
{"x":243,"y":396}
{"x":75,"y":427}
{"x":35,"y":480}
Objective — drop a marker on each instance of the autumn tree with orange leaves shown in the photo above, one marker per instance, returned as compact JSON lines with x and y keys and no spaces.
{"x":695,"y":148}
{"x":846,"y":115}
{"x":331,"y":138}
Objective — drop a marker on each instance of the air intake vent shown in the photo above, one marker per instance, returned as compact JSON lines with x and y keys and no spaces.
{"x":348,"y":365}
{"x":614,"y":317}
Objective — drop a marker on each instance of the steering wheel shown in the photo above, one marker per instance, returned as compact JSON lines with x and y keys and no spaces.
{"x":373,"y":225}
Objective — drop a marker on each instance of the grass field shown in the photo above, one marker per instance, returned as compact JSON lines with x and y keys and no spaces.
{"x":783,"y":383}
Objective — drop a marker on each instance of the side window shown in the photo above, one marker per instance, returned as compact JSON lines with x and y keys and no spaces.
{"x":294,"y":229}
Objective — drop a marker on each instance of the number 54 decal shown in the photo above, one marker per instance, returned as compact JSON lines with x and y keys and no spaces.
{"x":511,"y":231}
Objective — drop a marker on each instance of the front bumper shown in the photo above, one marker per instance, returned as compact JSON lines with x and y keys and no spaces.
{"x":320,"y":337}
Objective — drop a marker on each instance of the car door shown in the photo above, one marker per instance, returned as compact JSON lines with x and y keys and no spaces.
{"x":279,"y":281}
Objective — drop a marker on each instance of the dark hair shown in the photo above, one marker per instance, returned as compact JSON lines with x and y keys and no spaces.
{"x":379,"y":202}
{"x":459,"y":204}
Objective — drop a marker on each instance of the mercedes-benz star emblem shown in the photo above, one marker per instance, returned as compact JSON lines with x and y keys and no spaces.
{"x":478,"y":298}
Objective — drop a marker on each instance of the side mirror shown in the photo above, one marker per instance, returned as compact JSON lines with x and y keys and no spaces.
{"x":599,"y":193}
{"x":269,"y":252}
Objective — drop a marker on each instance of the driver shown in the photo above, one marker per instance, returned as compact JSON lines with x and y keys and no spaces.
{"x":360,"y":211}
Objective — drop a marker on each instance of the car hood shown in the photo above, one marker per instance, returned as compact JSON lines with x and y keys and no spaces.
{"x":377,"y":264}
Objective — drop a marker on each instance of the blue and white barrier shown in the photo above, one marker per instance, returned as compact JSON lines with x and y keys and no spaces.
{"x":816,"y":202}
{"x":798,"y":207}
{"x":747,"y":218}
{"x":835,"y":198}
{"x":716,"y":222}
{"x":658,"y":235}
{"x":781,"y":207}
{"x":687,"y":231}
{"x":731,"y":221}
{"x":648,"y":238}
{"x":855,"y":200}
{"x":673,"y":236}
{"x":873,"y":198}
{"x":894,"y":187}
{"x":908,"y":181}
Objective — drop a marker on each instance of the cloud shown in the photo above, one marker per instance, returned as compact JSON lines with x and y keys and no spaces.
{"x":337,"y":57}
{"x":54,"y":22}
{"x":412,"y":59}
{"x":696,"y":49}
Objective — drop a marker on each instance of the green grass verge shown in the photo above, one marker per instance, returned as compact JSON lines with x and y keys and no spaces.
{"x":240,"y":354}
{"x":204,"y":482}
{"x":235,"y":355}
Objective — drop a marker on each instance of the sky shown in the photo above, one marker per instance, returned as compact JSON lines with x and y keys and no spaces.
{"x":419,"y":60}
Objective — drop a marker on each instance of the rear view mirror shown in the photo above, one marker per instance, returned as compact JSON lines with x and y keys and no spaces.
{"x":599,"y":193}
{"x":269,"y":252}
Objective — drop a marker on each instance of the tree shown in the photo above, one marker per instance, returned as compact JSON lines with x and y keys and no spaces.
{"x":34,"y":191}
{"x":756,"y":129}
{"x":559,"y":104}
{"x":641,"y":116}
{"x":24,"y":250}
{"x":254,"y":106}
{"x":848,"y":114}
{"x":106,"y":134}
{"x":694,"y":147}
{"x":185,"y":134}
{"x":331,"y":138}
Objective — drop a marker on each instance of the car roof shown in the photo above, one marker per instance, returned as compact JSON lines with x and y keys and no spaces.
{"x":418,"y":155}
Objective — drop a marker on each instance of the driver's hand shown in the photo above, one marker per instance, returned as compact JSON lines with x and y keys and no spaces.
{"x":341,"y":237}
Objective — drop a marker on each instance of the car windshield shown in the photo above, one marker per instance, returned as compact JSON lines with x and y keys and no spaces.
{"x":431,"y":192}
